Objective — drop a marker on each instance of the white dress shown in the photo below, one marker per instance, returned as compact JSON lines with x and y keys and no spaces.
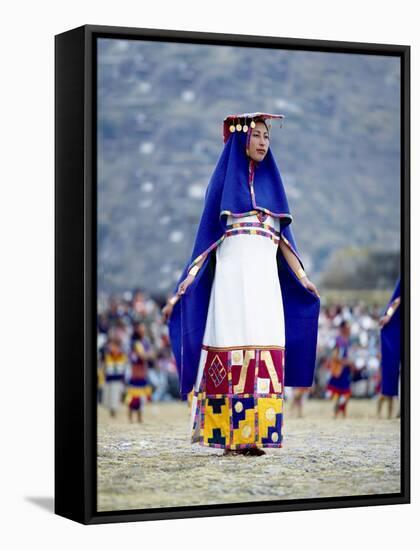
{"x":246,"y":305}
{"x":242,"y":357}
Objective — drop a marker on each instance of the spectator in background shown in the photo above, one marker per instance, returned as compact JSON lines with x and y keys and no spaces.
{"x":115,"y":366}
{"x":122,"y":331}
{"x":139,"y":335}
{"x":120,"y":315}
{"x":159,"y":376}
{"x":138,"y":388}
{"x":341,"y":371}
{"x":114,"y":312}
{"x":390,"y":324}
{"x":103,"y":323}
{"x":100,"y":373}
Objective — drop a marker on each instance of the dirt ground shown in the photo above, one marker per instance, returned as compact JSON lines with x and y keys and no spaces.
{"x":153,"y":464}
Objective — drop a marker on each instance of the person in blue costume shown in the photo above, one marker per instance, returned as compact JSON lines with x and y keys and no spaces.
{"x":390,"y":324}
{"x":243,"y":318}
{"x":339,"y":384}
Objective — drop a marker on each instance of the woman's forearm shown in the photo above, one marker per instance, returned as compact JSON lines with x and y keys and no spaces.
{"x":391,"y":309}
{"x":193,"y":272}
{"x":291,"y":259}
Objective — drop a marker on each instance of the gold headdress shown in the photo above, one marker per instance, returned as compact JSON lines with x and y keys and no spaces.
{"x":242,"y":122}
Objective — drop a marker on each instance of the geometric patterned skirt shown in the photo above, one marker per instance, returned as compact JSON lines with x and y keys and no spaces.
{"x":238,"y":392}
{"x":239,"y":402}
{"x":138,"y":391}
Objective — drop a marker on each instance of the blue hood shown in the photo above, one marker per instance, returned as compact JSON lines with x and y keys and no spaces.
{"x":240,"y":186}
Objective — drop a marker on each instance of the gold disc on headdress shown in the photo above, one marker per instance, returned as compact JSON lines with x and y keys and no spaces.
{"x":252,"y":124}
{"x":232,"y":128}
{"x":245,"y":128}
{"x":238,"y":127}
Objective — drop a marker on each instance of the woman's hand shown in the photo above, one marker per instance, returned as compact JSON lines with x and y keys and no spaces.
{"x":384,"y":320}
{"x":390,"y":311}
{"x":310,"y":286}
{"x":167,"y":311}
{"x":185,"y":284}
{"x":168,"y":308}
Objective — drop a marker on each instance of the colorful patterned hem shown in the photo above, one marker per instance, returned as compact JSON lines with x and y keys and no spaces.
{"x":240,"y":401}
{"x":243,"y":446}
{"x":261,"y":225}
{"x":260,"y":232}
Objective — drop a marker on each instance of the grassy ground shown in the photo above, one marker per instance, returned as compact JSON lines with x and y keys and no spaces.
{"x":153,"y":464}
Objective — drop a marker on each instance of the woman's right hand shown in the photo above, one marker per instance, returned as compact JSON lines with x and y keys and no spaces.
{"x":310,"y":286}
{"x":185,"y":284}
{"x":168,"y":308}
{"x":167,"y":311}
{"x":384,"y":320}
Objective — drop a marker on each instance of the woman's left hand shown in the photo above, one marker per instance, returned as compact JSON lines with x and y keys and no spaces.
{"x":384,"y":320}
{"x":310,"y":286}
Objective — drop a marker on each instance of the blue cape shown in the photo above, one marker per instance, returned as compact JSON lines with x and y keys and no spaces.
{"x":391,"y":347}
{"x":239,"y":186}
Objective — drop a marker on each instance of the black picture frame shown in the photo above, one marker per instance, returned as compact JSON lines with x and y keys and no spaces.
{"x":76,"y":261}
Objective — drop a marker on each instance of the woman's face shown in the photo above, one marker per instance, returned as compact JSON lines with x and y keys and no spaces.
{"x":259,"y":142}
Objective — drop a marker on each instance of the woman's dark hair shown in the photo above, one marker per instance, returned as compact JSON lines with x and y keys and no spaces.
{"x":264,"y":122}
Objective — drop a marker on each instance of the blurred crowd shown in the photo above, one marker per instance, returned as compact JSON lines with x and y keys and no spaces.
{"x":124,"y":323}
{"x":364,"y":347}
{"x":133,"y":318}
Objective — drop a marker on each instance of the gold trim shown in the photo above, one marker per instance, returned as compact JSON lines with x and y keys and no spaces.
{"x":173,"y":300}
{"x":393,"y":306}
{"x":240,"y":386}
{"x":230,"y":348}
{"x":266,"y":357}
{"x":194,"y":270}
{"x":291,"y":248}
{"x":206,"y":252}
{"x":300,"y":273}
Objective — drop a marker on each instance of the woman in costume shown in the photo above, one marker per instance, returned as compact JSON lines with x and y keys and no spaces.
{"x":390,"y":324}
{"x":339,"y":385}
{"x":138,"y":388}
{"x":244,"y":309}
{"x":115,"y":367}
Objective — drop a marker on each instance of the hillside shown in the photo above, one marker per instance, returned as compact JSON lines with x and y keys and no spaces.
{"x":160,"y":110}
